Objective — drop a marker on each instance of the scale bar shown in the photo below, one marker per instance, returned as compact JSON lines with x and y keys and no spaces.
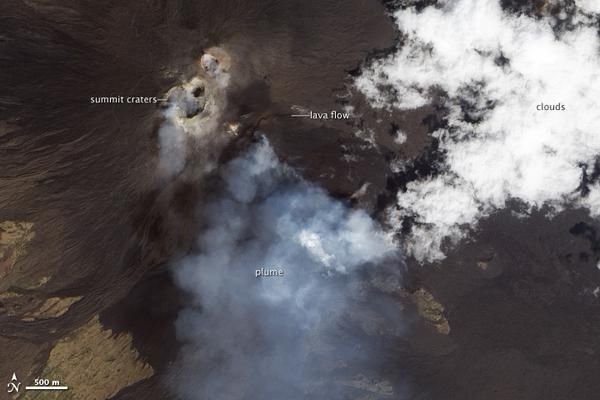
{"x":46,"y":387}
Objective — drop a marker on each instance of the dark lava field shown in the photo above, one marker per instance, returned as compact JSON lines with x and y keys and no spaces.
{"x":88,"y":231}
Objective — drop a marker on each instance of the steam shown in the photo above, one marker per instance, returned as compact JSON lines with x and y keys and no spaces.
{"x":280,"y":282}
{"x":248,"y":337}
{"x":192,"y":119}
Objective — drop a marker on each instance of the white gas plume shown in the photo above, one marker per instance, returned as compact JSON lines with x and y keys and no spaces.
{"x":193,"y":119}
{"x":252,"y":334}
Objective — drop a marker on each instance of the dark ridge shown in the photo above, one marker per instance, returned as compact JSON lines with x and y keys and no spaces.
{"x":395,"y":5}
{"x":531,"y":8}
{"x":150,"y":318}
{"x":379,"y":54}
{"x":436,"y":120}
{"x":562,"y":15}
{"x":588,"y":177}
{"x":394,"y":127}
{"x":469,"y":103}
{"x":595,"y":175}
{"x":501,"y":60}
{"x":584,"y":188}
{"x":391,"y":5}
{"x":375,"y":55}
{"x":199,"y":91}
{"x":426,"y":165}
{"x":588,"y":232}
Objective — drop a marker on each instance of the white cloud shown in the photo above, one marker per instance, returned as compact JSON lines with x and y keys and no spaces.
{"x":592,"y":6}
{"x":441,"y":207}
{"x":592,"y":200}
{"x":498,"y":144}
{"x":400,"y":137}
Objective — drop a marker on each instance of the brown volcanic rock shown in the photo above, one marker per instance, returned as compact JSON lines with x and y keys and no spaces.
{"x":519,"y":298}
{"x":520,"y":303}
{"x":84,"y":174}
{"x":94,"y":362}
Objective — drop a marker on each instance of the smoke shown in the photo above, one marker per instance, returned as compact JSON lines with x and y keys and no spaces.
{"x":172,"y":145}
{"x":193,"y":119}
{"x":286,"y":336}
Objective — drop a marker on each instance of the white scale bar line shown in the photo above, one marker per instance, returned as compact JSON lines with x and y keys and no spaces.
{"x":46,"y":387}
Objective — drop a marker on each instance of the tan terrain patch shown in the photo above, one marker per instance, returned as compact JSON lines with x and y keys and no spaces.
{"x":53,"y":307}
{"x":13,"y":238}
{"x":94,"y":363}
{"x":431,"y":310}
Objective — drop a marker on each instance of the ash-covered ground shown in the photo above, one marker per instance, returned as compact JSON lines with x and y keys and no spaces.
{"x":128,"y":230}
